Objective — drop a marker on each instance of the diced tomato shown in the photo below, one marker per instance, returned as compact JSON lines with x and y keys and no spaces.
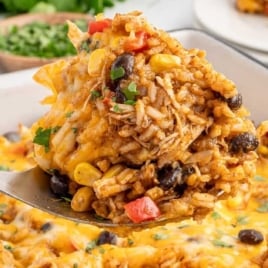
{"x":142,"y":209}
{"x":99,"y":25}
{"x":138,"y":43}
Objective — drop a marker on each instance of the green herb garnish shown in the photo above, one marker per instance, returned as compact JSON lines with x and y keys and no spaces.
{"x":160,"y":236}
{"x":242,"y":220}
{"x":38,"y":39}
{"x":90,"y":246}
{"x":263,"y":207}
{"x":117,"y":73}
{"x":222,"y":244}
{"x":74,"y":129}
{"x":4,"y":168}
{"x":131,"y":91}
{"x":3,"y":207}
{"x":117,"y":109}
{"x":8,"y":247}
{"x":42,"y":137}
{"x":130,"y":241}
{"x":215,"y":215}
{"x":130,"y":102}
{"x":69,"y":114}
{"x":259,"y":178}
{"x":94,"y":94}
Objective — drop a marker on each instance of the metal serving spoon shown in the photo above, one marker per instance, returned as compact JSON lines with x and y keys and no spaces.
{"x":33,"y":188}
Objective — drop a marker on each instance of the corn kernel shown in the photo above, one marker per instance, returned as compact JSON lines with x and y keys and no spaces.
{"x":263,"y":150}
{"x":162,"y":62}
{"x":83,"y":199}
{"x":86,"y":174}
{"x":113,"y":171}
{"x":96,"y":61}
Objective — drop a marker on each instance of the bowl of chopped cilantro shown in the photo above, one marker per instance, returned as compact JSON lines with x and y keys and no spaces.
{"x":32,"y":40}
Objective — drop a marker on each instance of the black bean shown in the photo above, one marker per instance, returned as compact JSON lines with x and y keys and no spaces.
{"x":119,"y":95}
{"x":59,"y":184}
{"x":168,"y":177}
{"x":126,"y":61}
{"x":181,"y":184}
{"x":235,"y":102}
{"x":187,"y":171}
{"x":250,"y":236}
{"x":244,"y":142}
{"x":46,"y":227}
{"x":106,"y":237}
{"x":12,"y":136}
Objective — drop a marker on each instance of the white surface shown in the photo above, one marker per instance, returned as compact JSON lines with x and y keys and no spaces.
{"x":258,"y":55}
{"x":20,"y":96}
{"x":221,"y":18}
{"x":164,"y":14}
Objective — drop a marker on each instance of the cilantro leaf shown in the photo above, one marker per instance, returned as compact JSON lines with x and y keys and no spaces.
{"x":263,"y":207}
{"x":160,"y":236}
{"x":90,"y":246}
{"x":42,"y":137}
{"x":4,"y":168}
{"x":117,"y":73}
{"x":222,"y":244}
{"x":242,"y":219}
{"x":94,"y":94}
{"x":69,"y":114}
{"x":131,"y":91}
{"x":215,"y":215}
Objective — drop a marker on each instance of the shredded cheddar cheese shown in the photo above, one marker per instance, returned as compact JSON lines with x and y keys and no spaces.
{"x":32,"y":238}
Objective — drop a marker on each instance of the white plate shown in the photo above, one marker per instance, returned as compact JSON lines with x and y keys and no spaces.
{"x":223,"y":19}
{"x":259,"y":55}
{"x":20,"y":96}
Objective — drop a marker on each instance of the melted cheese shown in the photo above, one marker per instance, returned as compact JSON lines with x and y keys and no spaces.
{"x":211,"y":243}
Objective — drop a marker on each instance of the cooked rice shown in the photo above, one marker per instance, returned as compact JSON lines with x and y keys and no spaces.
{"x":180,"y":119}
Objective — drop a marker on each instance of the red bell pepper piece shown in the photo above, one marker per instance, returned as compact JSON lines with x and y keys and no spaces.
{"x":99,"y":25}
{"x":142,"y":209}
{"x":138,"y":43}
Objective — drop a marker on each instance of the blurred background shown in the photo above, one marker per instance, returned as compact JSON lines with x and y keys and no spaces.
{"x":29,"y":36}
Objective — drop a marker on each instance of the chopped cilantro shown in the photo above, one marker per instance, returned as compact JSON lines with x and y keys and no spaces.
{"x":131,"y":91}
{"x":130,"y":241}
{"x":117,"y":109}
{"x":55,"y":129}
{"x":242,"y":220}
{"x":183,"y":226}
{"x":3,"y":207}
{"x":259,"y":178}
{"x":74,"y":129}
{"x":42,"y":136}
{"x":84,"y":46}
{"x":4,"y":168}
{"x":117,"y":73}
{"x":69,"y":114}
{"x":94,"y":94}
{"x":66,"y":199}
{"x":90,"y":246}
{"x":101,"y":250}
{"x":8,"y":247}
{"x":130,"y":102}
{"x":215,"y":215}
{"x":160,"y":236}
{"x":263,"y":207}
{"x":222,"y":244}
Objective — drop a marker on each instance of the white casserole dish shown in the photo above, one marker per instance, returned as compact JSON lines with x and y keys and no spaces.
{"x":20,"y":96}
